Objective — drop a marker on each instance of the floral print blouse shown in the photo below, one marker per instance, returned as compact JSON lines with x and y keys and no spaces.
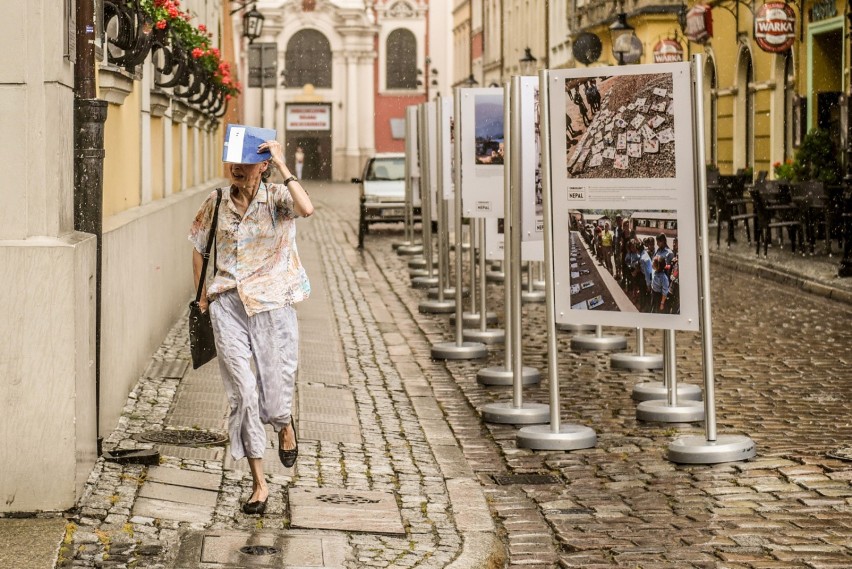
{"x":255,"y":253}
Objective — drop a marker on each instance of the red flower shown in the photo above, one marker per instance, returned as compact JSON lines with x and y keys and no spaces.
{"x":159,"y":3}
{"x":161,"y":25}
{"x":227,"y":97}
{"x":173,"y":12}
{"x":197,"y":52}
{"x":202,"y":28}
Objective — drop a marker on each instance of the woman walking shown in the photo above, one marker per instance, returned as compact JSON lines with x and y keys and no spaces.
{"x":258,"y":278}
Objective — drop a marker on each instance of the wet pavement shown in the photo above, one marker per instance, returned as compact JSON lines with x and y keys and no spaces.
{"x":783,"y":346}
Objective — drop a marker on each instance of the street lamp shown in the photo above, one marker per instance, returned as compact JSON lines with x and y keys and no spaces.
{"x":527,"y":63}
{"x":252,"y":24}
{"x":621,"y":37}
{"x":471,"y":81}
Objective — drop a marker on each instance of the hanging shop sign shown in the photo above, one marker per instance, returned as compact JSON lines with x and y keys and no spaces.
{"x":775,"y":27}
{"x":668,"y":51}
{"x":699,"y":24}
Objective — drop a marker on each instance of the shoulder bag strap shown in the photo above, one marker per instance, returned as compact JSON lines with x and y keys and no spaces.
{"x":210,"y":241}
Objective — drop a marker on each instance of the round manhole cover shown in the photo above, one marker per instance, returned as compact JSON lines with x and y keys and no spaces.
{"x":259,"y":550}
{"x":844,"y":453}
{"x":347,"y":499}
{"x":182,"y":437}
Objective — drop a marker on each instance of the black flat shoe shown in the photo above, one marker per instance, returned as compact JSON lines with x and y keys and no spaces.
{"x":255,"y":508}
{"x":288,"y":457}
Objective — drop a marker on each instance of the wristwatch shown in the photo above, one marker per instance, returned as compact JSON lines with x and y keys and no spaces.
{"x":290,"y":179}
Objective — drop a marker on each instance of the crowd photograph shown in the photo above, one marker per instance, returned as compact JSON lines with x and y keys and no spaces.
{"x":636,"y":253}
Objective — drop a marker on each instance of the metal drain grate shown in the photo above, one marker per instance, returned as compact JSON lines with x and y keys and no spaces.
{"x":529,"y":479}
{"x":182,"y":437}
{"x":844,"y":453}
{"x":259,"y":550}
{"x":347,"y":499}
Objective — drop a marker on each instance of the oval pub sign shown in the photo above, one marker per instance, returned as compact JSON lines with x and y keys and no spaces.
{"x":668,"y":51}
{"x":775,"y":27}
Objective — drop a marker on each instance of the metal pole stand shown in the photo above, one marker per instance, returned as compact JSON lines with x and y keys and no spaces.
{"x":495,"y":275}
{"x":440,"y":305}
{"x":638,"y":361}
{"x":539,"y":284}
{"x":669,"y":410}
{"x":598,"y":342}
{"x":410,"y":249}
{"x":429,"y":279}
{"x":458,"y":349}
{"x":566,"y":327}
{"x":555,"y":436}
{"x":531,"y":294}
{"x":514,"y":412}
{"x":711,"y":448}
{"x":483,"y":318}
{"x":419,"y":263}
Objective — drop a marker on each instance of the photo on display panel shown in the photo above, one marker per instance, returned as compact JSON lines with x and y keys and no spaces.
{"x":539,"y":195}
{"x":620,"y":126}
{"x":488,"y":121}
{"x":624,"y":261}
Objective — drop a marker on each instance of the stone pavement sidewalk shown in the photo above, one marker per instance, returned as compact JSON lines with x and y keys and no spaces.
{"x":380,"y":481}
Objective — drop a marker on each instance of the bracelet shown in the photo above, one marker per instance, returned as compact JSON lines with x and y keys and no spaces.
{"x":290,"y":179}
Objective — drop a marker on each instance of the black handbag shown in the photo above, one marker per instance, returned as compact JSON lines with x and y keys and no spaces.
{"x":202,"y":344}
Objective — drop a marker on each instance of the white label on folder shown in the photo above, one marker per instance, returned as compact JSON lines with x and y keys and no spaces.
{"x":235,"y":144}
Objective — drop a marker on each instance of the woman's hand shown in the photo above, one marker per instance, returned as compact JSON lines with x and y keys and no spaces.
{"x":203,"y":304}
{"x":274,"y":148}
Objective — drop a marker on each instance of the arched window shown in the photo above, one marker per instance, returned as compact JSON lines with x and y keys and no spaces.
{"x":745,"y":111}
{"x":401,"y":51}
{"x":789,"y":93}
{"x":308,"y":60}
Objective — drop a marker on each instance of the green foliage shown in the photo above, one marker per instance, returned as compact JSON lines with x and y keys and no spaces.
{"x":817,"y":159}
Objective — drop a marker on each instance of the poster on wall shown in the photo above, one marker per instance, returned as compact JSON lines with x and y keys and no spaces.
{"x":412,"y":155}
{"x":482,"y":151}
{"x":621,"y":144}
{"x":494,"y":239}
{"x":532,"y":212}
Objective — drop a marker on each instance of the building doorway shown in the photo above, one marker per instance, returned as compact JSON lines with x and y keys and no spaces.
{"x":826,"y":52}
{"x":308,"y":132}
{"x":316,"y":148}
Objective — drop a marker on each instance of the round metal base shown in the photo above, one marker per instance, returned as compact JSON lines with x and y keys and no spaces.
{"x":471,"y":319}
{"x":415,"y":249}
{"x":499,"y":375}
{"x":532,"y":296}
{"x":487,"y":336}
{"x":449,"y":292}
{"x":418,"y":263}
{"x":564,"y":327}
{"x":635,"y":361}
{"x":538,"y":285}
{"x":436,"y":306}
{"x":569,"y":437}
{"x":658,"y":410}
{"x":593,"y":342}
{"x":650,"y":390}
{"x":424,"y":282}
{"x":507,"y":413}
{"x":418,"y":273}
{"x":495,"y":276}
{"x":698,"y":450}
{"x":452,"y":351}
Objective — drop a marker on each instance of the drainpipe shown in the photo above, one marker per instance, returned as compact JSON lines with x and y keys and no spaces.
{"x":89,"y":117}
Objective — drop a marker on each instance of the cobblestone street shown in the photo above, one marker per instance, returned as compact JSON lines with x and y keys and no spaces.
{"x":378,"y":417}
{"x":783,"y":378}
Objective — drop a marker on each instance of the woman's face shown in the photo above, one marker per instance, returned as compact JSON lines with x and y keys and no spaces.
{"x":246,"y":176}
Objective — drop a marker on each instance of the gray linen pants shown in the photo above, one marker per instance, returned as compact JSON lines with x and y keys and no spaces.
{"x":271,"y":340}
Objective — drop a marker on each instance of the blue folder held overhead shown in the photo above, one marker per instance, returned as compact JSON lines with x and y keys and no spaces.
{"x":241,"y":144}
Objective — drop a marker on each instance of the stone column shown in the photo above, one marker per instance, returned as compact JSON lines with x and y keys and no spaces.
{"x":353,"y":153}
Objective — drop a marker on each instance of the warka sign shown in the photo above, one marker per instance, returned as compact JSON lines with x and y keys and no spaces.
{"x":775,"y":27}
